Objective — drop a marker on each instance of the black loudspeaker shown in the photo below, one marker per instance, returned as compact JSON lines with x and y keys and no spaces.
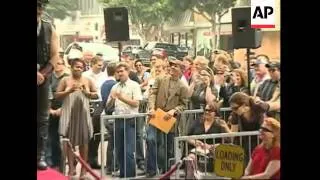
{"x":116,"y":24}
{"x":243,"y":35}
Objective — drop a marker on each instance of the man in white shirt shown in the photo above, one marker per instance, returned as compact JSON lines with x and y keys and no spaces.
{"x":96,"y":75}
{"x":126,"y":95}
{"x":261,"y":74}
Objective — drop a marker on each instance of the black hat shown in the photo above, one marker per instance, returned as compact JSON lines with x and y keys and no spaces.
{"x":273,"y":65}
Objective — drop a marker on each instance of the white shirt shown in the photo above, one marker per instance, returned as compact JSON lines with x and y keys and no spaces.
{"x":150,"y":84}
{"x":184,"y":80}
{"x":130,"y":89}
{"x":98,"y":80}
{"x":255,"y":83}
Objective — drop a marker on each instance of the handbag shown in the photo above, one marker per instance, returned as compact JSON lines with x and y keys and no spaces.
{"x":191,"y":169}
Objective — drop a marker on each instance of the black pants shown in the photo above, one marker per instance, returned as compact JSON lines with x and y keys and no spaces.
{"x":139,"y":138}
{"x":54,"y":149}
{"x":94,"y":142}
{"x":42,"y":116}
{"x":112,"y":160}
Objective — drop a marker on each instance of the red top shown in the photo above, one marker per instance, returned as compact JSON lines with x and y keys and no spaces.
{"x":187,"y":74}
{"x":261,"y":158}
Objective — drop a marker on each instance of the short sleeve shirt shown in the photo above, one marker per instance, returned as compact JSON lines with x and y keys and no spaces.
{"x":130,"y":89}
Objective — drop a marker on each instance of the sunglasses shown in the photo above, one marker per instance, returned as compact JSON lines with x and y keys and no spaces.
{"x":264,"y":129}
{"x":234,"y":108}
{"x":174,"y":65}
{"x":209,"y":110}
{"x":271,"y":70}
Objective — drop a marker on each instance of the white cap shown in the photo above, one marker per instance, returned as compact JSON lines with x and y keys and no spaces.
{"x":75,"y":54}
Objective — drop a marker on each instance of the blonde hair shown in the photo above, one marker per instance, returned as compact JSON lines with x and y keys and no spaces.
{"x":202,"y":61}
{"x":275,"y":125}
{"x":158,"y":62}
{"x":223,"y":59}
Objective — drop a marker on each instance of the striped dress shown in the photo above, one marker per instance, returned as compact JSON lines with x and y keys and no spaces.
{"x":75,"y":121}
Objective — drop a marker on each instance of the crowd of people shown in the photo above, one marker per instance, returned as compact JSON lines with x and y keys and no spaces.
{"x":73,"y":91}
{"x":169,"y":84}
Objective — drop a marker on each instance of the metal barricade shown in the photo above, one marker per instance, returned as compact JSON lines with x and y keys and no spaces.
{"x":250,"y":135}
{"x":112,"y":119}
{"x":164,"y":138}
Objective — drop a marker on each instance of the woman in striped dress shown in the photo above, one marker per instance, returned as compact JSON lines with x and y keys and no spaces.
{"x":75,"y":122}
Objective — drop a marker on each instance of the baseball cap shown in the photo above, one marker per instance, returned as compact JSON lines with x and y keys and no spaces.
{"x":260,"y":61}
{"x":177,"y":62}
{"x":273,"y":65}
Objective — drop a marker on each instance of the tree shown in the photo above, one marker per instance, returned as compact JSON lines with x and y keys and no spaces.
{"x":147,"y":16}
{"x":60,"y":9}
{"x":244,"y":3}
{"x":209,"y":9}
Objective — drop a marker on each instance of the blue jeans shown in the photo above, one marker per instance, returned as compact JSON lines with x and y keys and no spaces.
{"x":159,"y":149}
{"x":139,"y":136}
{"x":125,"y":144}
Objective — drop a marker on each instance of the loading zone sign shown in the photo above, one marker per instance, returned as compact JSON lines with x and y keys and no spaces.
{"x":229,"y":161}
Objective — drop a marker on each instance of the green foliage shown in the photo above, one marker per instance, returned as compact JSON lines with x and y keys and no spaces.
{"x":207,"y":8}
{"x":60,"y":9}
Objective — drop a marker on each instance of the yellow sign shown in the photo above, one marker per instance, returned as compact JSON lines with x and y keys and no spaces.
{"x":229,"y":161}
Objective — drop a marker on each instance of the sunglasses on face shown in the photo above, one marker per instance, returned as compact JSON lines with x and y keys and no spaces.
{"x":173,"y":65}
{"x":264,"y":129}
{"x":271,"y":70}
{"x":234,"y":108}
{"x":209,"y":110}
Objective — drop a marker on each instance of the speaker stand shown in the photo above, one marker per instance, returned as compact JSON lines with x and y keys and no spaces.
{"x":120,"y":49}
{"x":248,"y":70}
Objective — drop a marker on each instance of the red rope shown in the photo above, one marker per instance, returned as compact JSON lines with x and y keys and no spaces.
{"x":83,"y":163}
{"x":171,"y":171}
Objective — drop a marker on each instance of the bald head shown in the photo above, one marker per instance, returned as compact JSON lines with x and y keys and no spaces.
{"x":87,"y":56}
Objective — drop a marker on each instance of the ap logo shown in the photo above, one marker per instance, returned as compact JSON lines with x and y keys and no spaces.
{"x":263,"y":14}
